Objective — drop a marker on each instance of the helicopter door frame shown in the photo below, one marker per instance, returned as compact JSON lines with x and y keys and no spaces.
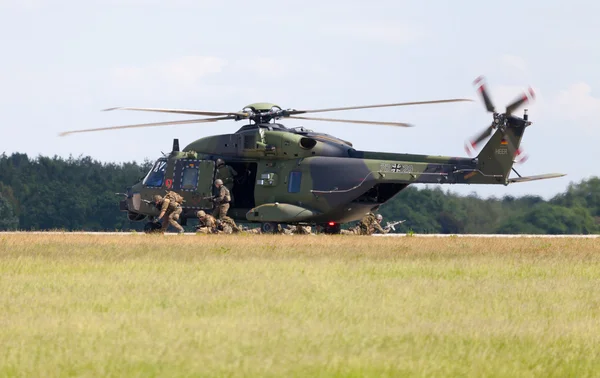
{"x":194,"y":179}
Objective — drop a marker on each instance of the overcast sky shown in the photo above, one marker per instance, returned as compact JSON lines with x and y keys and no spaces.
{"x":63,"y":61}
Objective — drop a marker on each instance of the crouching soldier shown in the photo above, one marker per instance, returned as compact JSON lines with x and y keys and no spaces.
{"x":207,"y":223}
{"x":169,"y":213}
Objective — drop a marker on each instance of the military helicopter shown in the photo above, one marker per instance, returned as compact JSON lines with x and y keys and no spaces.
{"x":299,"y":176}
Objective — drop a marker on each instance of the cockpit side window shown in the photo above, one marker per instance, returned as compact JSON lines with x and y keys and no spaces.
{"x":155,"y":177}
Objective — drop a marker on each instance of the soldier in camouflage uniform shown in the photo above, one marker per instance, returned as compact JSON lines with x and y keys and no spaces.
{"x":225,"y":173}
{"x":221,"y":200}
{"x":228,"y":225}
{"x":207,"y":223}
{"x":169,"y":213}
{"x":367,"y":226}
{"x":302,"y":230}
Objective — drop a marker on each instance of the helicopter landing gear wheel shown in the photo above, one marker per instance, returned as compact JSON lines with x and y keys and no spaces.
{"x":152,"y":227}
{"x":268,"y":228}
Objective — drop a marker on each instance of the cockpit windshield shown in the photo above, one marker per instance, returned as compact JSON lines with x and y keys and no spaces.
{"x":301,"y":129}
{"x":156,"y":175}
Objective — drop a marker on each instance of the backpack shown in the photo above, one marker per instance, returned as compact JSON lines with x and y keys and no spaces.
{"x":174,"y":197}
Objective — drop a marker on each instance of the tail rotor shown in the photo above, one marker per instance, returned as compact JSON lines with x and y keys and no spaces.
{"x":501,"y":121}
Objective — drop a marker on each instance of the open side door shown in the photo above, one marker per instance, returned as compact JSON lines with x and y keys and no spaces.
{"x":193,"y":179}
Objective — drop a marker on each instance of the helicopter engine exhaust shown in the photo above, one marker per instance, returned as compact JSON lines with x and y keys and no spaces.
{"x":307,"y":143}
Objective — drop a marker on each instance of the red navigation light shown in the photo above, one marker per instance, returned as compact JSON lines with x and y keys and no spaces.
{"x":331,"y":223}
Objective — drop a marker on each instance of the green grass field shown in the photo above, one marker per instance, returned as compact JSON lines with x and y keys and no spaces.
{"x":223,"y":305}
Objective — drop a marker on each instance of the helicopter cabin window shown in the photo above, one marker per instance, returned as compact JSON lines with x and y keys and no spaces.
{"x":294,"y":182}
{"x":155,"y":177}
{"x":189,"y":178}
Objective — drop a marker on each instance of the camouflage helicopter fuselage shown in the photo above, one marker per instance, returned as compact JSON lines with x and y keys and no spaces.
{"x":297,"y":176}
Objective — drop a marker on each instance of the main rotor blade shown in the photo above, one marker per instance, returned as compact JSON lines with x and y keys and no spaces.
{"x":520,"y":101}
{"x":377,"y":106}
{"x":183,"y":111}
{"x":354,"y":121}
{"x":169,"y":123}
{"x":486,"y":98}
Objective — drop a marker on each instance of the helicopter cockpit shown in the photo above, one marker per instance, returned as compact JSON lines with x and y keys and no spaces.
{"x":156,"y":175}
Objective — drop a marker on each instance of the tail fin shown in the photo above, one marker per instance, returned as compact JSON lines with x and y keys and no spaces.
{"x":497,"y":157}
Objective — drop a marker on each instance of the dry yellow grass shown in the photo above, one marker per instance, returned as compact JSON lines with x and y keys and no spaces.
{"x":141,"y":305}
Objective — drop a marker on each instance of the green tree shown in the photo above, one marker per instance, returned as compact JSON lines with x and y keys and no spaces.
{"x":8,"y":220}
{"x":546,"y":218}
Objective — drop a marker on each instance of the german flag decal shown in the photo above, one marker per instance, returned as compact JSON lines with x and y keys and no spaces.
{"x":504,"y":141}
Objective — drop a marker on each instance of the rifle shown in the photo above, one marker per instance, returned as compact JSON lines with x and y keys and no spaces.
{"x":392,"y":225}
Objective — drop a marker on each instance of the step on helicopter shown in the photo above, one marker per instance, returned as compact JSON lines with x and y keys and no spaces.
{"x":298,"y":176}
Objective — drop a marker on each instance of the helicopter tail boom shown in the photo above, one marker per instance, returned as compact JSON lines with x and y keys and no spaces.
{"x":497,"y":157}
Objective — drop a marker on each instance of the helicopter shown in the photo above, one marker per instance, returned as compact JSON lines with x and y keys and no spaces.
{"x":298,"y":176}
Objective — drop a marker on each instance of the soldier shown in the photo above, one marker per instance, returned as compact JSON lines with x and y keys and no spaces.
{"x":302,"y":230}
{"x":377,"y":228}
{"x":169,"y":213}
{"x":283,"y":230}
{"x":367,"y":226}
{"x":228,"y":225}
{"x":207,"y":223}
{"x":221,"y":200}
{"x":225,"y":173}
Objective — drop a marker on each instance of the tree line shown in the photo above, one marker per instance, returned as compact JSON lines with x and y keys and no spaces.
{"x":50,"y":193}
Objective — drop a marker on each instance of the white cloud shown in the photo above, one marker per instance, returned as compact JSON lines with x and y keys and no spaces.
{"x":376,"y":32}
{"x":514,"y":61}
{"x":183,"y":72}
{"x":20,"y":4}
{"x":188,"y":73}
{"x":263,"y":66}
{"x":34,"y":5}
{"x":577,"y":103}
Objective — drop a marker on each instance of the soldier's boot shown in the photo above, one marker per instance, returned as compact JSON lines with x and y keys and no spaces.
{"x":223,"y":210}
{"x":174,"y":223}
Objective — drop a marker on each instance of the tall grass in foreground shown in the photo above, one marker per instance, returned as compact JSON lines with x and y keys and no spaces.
{"x":220,"y":305}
